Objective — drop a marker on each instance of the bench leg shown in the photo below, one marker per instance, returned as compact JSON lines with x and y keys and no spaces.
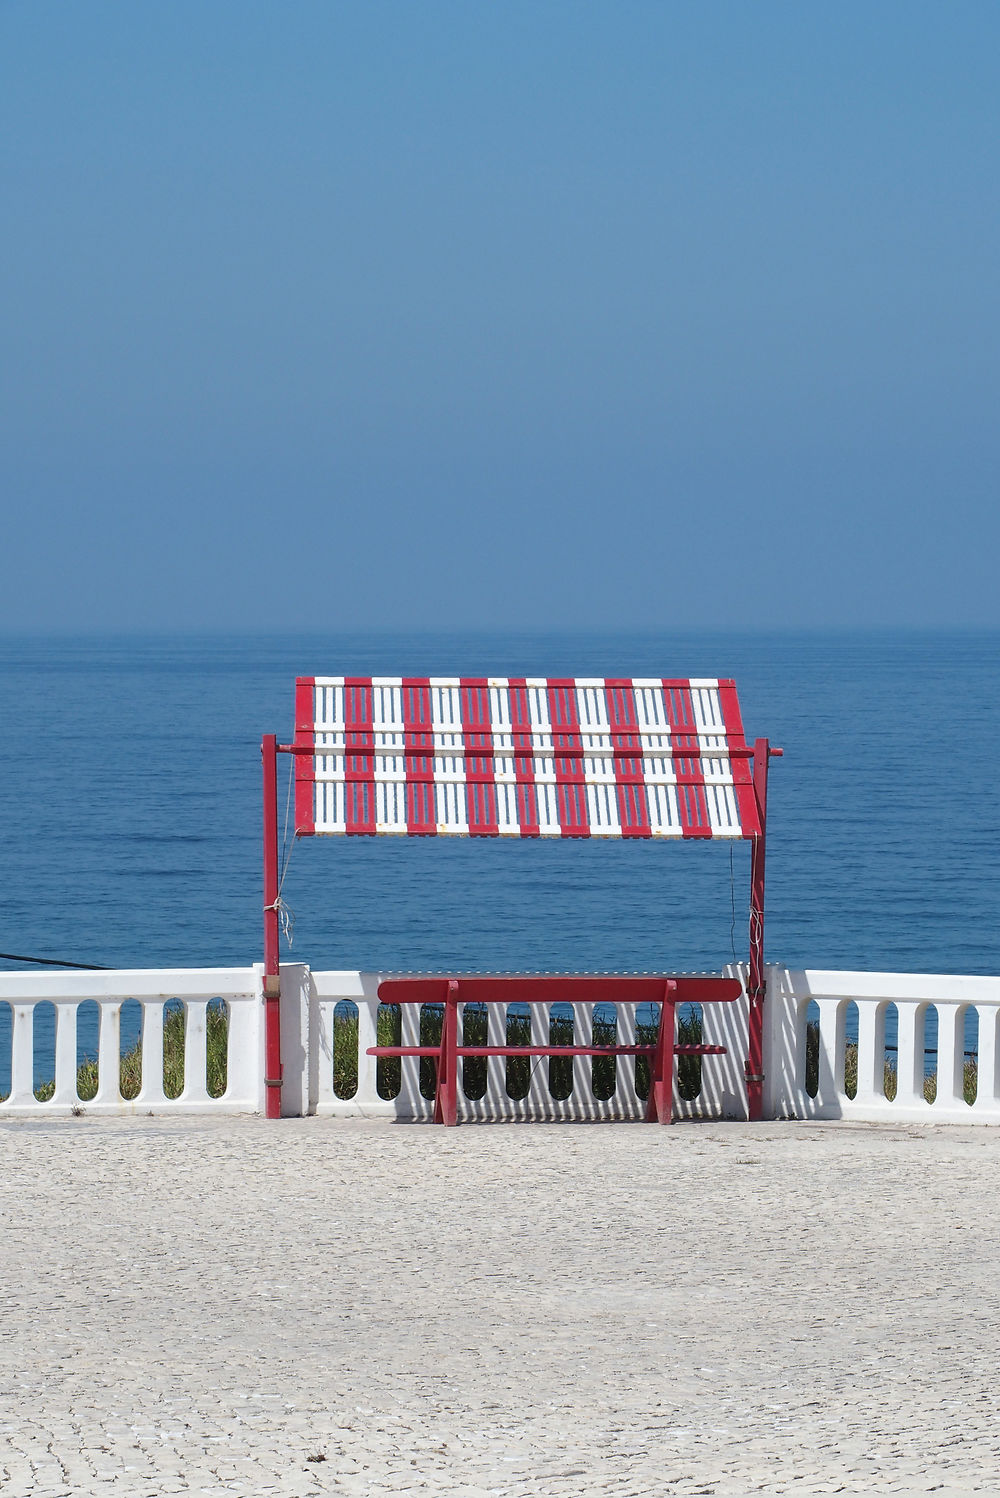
{"x":446,"y":1093}
{"x":659,"y":1108}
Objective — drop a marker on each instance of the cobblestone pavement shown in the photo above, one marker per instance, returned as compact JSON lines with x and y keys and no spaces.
{"x":222,"y":1307}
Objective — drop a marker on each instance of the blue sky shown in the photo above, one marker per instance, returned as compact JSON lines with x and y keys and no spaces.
{"x":388,"y":315}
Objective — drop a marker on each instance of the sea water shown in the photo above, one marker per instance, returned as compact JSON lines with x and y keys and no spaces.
{"x":131,"y":813}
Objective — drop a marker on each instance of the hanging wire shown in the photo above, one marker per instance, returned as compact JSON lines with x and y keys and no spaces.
{"x":91,"y":967}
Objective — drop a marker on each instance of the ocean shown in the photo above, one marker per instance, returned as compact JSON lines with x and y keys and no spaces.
{"x":130,"y":807}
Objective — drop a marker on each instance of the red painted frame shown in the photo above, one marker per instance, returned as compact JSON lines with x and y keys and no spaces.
{"x":746,"y":786}
{"x":272,"y":908}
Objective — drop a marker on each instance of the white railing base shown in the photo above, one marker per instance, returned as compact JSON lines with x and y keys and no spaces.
{"x":790,"y":995}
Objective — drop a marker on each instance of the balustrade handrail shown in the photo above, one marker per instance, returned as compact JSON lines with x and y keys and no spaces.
{"x":128,"y":983}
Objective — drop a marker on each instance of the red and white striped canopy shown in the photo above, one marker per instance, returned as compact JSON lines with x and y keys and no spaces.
{"x":522,"y":757}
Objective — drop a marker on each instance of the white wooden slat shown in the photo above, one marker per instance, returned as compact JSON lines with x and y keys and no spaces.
{"x":664,"y":813}
{"x":503,"y":738}
{"x":723,"y":814}
{"x":451,"y":807}
{"x":389,"y":769}
{"x":390,"y":806}
{"x":548,"y":814}
{"x":599,"y":770}
{"x":602,"y":810}
{"x":336,"y":806}
{"x":507,"y":819}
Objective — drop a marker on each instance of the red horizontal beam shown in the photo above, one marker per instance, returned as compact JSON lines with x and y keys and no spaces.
{"x":546,"y":988}
{"x":410,"y":750}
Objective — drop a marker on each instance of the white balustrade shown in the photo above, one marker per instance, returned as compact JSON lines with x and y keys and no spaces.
{"x":157,"y":992}
{"x":791,"y":995}
{"x":845,"y":1004}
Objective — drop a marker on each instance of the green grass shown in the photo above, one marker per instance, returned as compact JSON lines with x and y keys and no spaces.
{"x":130,"y":1064}
{"x":970,"y":1071}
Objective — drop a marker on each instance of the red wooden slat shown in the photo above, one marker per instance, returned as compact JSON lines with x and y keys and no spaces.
{"x":421,"y":805}
{"x":571,"y":793}
{"x":480,"y":773}
{"x":524,"y":764}
{"x":691,"y":800}
{"x":659,"y":1105}
{"x":746,"y":801}
{"x":359,"y":771}
{"x":633,"y":808}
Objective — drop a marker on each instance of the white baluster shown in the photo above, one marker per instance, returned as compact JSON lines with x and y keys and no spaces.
{"x":831,"y":1051}
{"x":151,"y":1089}
{"x":539,"y":1102}
{"x":326,"y":1010}
{"x":22,"y":1061}
{"x":871,"y":1052}
{"x":409,"y":1103}
{"x":624,"y":1101}
{"x":910,"y":1055}
{"x":583,"y":1034}
{"x":468,"y":1107}
{"x":195,"y":1051}
{"x":802,"y":1104}
{"x":242,"y":1072}
{"x":65,"y":1092}
{"x":986,"y":1086}
{"x":108,"y":1051}
{"x":577,"y":1099}
{"x":367,"y":1093}
{"x":496,"y":1103}
{"x":950,"y":1054}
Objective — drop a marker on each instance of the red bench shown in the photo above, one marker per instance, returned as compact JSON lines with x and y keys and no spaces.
{"x":449,"y":992}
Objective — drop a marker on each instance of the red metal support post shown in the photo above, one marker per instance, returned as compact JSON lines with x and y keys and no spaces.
{"x":756,"y":985}
{"x":446,"y":1092}
{"x":659,"y":1108}
{"x":272,"y":973}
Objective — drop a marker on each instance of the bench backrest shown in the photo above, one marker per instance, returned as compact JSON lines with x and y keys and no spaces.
{"x":522,"y":757}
